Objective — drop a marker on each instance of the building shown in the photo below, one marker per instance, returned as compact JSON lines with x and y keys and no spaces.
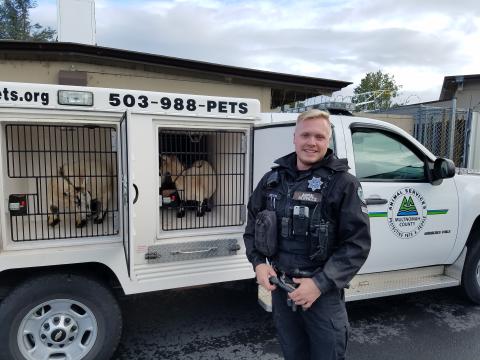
{"x":465,"y":88}
{"x":434,"y":120}
{"x":88,"y":65}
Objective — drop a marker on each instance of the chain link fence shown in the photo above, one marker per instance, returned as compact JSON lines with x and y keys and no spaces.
{"x":433,"y":126}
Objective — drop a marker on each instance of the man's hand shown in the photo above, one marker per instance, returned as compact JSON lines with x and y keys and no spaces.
{"x":263,"y":272}
{"x":306,"y":294}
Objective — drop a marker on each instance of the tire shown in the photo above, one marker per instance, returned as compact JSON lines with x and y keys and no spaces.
{"x":65,"y":315}
{"x":471,"y":273}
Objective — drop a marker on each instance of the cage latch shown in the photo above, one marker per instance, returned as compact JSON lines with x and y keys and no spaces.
{"x":152,"y":255}
{"x":234,"y":247}
{"x":17,"y":204}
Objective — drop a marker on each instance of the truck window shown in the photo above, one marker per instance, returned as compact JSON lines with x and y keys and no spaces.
{"x":378,"y":155}
{"x":332,"y":144}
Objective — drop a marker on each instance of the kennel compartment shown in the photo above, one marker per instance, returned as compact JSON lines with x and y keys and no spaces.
{"x":60,"y":181}
{"x":202,"y":176}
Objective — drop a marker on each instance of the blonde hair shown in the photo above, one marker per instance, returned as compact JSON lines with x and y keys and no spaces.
{"x":315,"y":114}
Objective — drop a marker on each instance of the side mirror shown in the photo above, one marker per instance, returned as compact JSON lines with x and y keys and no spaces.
{"x":443,"y":169}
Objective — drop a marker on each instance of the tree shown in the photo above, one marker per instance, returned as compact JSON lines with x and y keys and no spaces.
{"x":15,"y":22}
{"x":376,"y":91}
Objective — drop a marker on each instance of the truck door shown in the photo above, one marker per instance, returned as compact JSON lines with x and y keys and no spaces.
{"x":126,"y":198}
{"x":413,"y":222}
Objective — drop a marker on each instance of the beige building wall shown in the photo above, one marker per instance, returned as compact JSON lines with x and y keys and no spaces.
{"x":402,"y":121}
{"x":46,"y":72}
{"x":469,"y":97}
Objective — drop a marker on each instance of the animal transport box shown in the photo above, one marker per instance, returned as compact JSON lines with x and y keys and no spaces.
{"x":164,"y":176}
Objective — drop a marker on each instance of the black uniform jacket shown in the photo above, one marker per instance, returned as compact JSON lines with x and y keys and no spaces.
{"x":346,"y":209}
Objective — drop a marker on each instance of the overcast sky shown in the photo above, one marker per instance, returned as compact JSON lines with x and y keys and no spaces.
{"x":417,"y":41}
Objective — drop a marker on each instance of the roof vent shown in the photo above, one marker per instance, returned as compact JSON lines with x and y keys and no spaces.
{"x":76,"y":21}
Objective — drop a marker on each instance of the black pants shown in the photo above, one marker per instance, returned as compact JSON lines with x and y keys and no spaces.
{"x":319,"y":333}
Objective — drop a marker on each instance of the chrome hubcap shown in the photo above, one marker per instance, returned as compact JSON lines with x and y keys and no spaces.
{"x":60,"y":329}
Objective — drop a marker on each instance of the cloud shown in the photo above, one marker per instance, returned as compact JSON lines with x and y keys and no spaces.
{"x":418,"y":42}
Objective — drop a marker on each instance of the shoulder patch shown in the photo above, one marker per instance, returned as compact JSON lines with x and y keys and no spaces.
{"x":360,"y":195}
{"x":273,"y":178}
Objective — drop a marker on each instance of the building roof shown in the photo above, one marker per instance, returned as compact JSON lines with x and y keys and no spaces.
{"x":286,"y":88}
{"x":453,"y":82}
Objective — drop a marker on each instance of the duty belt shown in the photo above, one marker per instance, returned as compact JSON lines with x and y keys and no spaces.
{"x":285,"y":282}
{"x":295,"y":273}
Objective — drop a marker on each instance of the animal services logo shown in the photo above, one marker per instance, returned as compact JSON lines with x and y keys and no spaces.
{"x":407,"y":213}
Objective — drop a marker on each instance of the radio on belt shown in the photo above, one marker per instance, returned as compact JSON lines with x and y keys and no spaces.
{"x":17,"y":204}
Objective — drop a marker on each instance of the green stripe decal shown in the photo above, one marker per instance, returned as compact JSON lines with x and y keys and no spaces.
{"x":437,"y":212}
{"x":429,"y":212}
{"x":377,"y":214}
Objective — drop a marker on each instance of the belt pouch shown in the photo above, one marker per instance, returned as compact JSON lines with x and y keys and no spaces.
{"x":266,"y":241}
{"x":319,"y":241}
{"x":286,"y":227}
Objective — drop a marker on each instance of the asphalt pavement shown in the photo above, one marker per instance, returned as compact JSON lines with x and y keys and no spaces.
{"x":225,"y":322}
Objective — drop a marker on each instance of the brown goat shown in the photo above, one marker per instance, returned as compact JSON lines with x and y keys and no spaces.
{"x":84,"y":188}
{"x":197,"y":183}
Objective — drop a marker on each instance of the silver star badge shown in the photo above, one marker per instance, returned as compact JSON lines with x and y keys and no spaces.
{"x":315,"y":183}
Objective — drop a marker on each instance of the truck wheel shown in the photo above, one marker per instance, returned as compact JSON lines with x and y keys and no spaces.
{"x":59,"y":316}
{"x":471,"y":273}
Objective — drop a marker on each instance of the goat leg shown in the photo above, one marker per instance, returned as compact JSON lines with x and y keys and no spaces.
{"x":208,"y":204}
{"x":79,"y":223}
{"x":100,"y":217}
{"x":98,"y":211}
{"x":200,"y":209}
{"x":203,"y":208}
{"x":53,"y":219}
{"x":181,"y":210}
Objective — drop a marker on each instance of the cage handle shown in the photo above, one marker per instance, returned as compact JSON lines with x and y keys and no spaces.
{"x":136,"y":193}
{"x":185,"y":252}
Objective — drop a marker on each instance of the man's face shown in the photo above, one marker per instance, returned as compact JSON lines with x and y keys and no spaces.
{"x":311,"y":141}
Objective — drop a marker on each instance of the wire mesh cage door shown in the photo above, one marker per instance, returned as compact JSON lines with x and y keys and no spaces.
{"x":61,"y":181}
{"x":202,"y":178}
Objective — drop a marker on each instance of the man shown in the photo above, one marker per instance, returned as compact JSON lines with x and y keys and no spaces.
{"x":323,"y":238}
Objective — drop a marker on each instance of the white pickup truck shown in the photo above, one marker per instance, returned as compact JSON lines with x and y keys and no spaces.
{"x":95,"y":200}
